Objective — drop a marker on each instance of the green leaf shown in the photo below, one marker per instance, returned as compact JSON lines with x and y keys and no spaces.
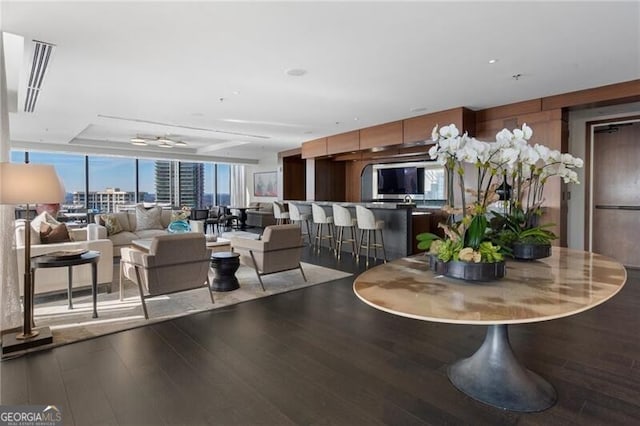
{"x":476,"y":231}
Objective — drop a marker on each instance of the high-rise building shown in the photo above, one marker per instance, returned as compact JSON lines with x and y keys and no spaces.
{"x":180,"y":184}
{"x":106,"y":201}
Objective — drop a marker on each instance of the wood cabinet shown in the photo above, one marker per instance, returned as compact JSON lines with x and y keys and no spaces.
{"x":418,"y":129}
{"x":382,"y":135}
{"x":344,"y":142}
{"x":314,"y":148}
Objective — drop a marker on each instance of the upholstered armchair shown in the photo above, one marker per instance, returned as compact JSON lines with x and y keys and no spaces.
{"x":279,"y":250}
{"x":174,"y":262}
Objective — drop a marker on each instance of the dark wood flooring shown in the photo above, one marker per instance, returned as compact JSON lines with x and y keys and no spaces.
{"x":319,"y":356}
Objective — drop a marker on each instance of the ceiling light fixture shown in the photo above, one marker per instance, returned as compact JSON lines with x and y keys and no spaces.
{"x":295,"y":72}
{"x":493,"y":61}
{"x":159,"y":141}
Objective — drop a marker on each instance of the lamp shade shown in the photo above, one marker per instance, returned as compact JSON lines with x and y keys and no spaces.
{"x":29,"y":184}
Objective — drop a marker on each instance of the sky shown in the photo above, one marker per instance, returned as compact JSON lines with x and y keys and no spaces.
{"x":107,"y":172}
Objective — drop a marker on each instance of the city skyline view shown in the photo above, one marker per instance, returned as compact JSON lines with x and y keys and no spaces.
{"x":110,"y":172}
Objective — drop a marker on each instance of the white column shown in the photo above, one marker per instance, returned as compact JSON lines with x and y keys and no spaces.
{"x":238,"y":186}
{"x":10,"y":315}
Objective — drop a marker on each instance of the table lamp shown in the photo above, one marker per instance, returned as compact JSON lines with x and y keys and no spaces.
{"x":28,"y":184}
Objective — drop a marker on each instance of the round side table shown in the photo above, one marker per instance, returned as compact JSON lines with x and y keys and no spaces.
{"x":225,"y":264}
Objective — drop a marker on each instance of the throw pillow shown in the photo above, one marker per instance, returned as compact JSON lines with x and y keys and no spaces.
{"x":112,"y":224}
{"x":50,"y":234}
{"x":43,"y":217}
{"x":148,"y":219}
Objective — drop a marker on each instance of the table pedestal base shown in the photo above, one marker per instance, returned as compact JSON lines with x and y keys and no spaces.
{"x":494,"y":376}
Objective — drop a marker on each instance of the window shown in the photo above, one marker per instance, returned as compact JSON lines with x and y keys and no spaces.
{"x":70,"y":169}
{"x":112,"y":183}
{"x":223,"y":187}
{"x":147,"y":181}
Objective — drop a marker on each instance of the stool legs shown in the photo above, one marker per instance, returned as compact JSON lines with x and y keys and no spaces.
{"x":369,"y":245}
{"x":340,"y":240}
{"x":319,"y":237}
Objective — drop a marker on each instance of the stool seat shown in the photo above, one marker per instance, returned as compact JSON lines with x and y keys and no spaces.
{"x":367,"y":222}
{"x":320,"y":219}
{"x":297,"y":217}
{"x":343,"y":220}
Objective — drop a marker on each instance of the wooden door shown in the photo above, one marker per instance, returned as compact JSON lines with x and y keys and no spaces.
{"x":616,"y":193}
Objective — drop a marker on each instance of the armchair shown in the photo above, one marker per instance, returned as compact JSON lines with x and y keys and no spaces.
{"x":279,"y":250}
{"x":174,"y":262}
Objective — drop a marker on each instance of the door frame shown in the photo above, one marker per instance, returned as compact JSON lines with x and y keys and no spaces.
{"x":588,"y":171}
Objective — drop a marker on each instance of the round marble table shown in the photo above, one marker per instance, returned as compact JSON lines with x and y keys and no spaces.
{"x":568,"y":282}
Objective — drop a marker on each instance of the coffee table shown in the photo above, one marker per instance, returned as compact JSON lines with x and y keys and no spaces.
{"x":567,"y":283}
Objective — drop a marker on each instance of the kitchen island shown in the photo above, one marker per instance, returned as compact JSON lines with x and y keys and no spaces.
{"x":402,"y":221}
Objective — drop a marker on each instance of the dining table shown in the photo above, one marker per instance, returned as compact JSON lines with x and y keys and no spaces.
{"x":566,"y":283}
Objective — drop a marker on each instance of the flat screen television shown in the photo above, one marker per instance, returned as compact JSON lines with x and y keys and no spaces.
{"x":401,"y":180}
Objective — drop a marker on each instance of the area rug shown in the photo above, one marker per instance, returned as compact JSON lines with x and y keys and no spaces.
{"x":115,"y":315}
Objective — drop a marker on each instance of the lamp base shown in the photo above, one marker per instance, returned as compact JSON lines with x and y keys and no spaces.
{"x":13,"y":342}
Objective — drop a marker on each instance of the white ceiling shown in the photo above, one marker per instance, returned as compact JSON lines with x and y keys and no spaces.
{"x":213,"y":74}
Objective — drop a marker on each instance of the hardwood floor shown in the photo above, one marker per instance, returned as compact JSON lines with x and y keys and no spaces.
{"x":319,"y":356}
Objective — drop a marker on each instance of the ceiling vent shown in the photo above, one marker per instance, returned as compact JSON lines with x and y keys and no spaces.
{"x":41,"y":57}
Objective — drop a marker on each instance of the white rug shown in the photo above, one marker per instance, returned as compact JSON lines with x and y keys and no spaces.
{"x":115,"y":315}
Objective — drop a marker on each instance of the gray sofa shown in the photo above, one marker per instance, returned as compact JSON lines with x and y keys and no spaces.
{"x":261,"y":215}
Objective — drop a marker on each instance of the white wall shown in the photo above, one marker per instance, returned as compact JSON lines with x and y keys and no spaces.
{"x":577,"y":147}
{"x":269,"y":164}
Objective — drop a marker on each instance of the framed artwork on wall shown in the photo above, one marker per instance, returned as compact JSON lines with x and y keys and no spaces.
{"x":265,"y":184}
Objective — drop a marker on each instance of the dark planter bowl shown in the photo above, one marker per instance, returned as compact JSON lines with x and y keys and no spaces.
{"x":531,"y":251}
{"x":468,"y":271}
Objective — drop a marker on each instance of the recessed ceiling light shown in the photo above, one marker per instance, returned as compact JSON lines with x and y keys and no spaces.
{"x":295,"y":72}
{"x":236,"y":92}
{"x":516,"y":76}
{"x":165,"y":145}
{"x":493,"y":61}
{"x":308,"y":132}
{"x":181,"y":143}
{"x":418,"y":109}
{"x":356,"y":118}
{"x":139,"y":143}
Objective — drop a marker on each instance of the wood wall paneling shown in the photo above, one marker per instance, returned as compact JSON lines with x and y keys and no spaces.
{"x":314,"y":148}
{"x":419,"y":129}
{"x":344,"y":142}
{"x":383,"y":135}
{"x":290,"y":153}
{"x":330,"y":180}
{"x":510,"y":110}
{"x":294,"y":178}
{"x":628,"y":91}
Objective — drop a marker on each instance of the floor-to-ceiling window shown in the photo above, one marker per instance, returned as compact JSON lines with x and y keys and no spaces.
{"x":147,"y":181}
{"x":70,"y":169}
{"x":112,"y":183}
{"x":223,"y":184}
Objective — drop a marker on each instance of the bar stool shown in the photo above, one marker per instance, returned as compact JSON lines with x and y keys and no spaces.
{"x":282,"y":216}
{"x":297,"y":217}
{"x":342,"y":219}
{"x":320,"y":218}
{"x":367,"y":222}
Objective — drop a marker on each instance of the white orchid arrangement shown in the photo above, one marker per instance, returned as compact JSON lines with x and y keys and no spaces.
{"x":510,"y":158}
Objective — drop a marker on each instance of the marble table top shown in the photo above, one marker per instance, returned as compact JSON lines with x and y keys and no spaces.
{"x":568,"y":282}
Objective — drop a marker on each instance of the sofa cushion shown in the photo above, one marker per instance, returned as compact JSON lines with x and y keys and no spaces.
{"x":150,"y":233}
{"x":54,"y":233}
{"x":123,"y":238}
{"x":148,"y":218}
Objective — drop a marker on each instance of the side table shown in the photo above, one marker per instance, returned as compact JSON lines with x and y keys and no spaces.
{"x":225,"y":264}
{"x":90,"y":257}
